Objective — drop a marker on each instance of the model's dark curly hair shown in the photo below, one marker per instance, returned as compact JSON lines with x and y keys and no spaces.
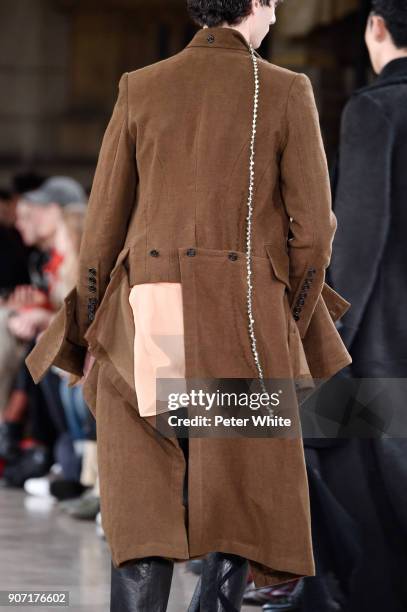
{"x":213,"y":12}
{"x":394,"y":13}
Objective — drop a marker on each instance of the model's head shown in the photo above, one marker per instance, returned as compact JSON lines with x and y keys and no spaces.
{"x":252,"y":18}
{"x":386,"y":32}
{"x":40,"y":211}
{"x":37,"y":224}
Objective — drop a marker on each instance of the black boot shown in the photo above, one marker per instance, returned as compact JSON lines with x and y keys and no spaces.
{"x":141,"y":585}
{"x":221,"y":585}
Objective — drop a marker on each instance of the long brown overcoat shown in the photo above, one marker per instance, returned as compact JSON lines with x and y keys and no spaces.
{"x":169,"y":203}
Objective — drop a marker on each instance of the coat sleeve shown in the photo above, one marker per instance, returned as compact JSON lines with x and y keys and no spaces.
{"x":305,"y":189}
{"x":110,"y":205}
{"x":362,"y":206}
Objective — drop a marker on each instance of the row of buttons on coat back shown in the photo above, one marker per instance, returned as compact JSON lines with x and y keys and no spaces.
{"x":192,"y":252}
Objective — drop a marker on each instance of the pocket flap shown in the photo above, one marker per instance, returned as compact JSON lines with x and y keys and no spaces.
{"x":120,"y":259}
{"x":336,"y":304}
{"x":280,"y":263}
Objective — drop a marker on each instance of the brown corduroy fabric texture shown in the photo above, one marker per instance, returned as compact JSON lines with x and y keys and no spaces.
{"x":172,"y":176}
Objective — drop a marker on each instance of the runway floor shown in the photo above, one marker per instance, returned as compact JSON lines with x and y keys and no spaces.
{"x":44,"y":548}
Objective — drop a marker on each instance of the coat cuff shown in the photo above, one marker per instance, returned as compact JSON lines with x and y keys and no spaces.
{"x":59,"y":345}
{"x":304,"y":296}
{"x":336,"y":304}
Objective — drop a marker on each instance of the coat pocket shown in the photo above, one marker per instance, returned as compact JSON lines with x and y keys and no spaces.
{"x":121,"y":259}
{"x":280,"y":263}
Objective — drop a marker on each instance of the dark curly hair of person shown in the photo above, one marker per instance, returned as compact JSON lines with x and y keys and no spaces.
{"x":394,"y":13}
{"x":214,"y":12}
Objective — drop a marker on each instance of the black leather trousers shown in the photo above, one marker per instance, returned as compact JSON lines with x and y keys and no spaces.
{"x":143,"y":585}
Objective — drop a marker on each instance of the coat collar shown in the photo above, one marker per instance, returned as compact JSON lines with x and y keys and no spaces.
{"x":395,"y":68}
{"x":220,"y":37}
{"x":394,"y":73}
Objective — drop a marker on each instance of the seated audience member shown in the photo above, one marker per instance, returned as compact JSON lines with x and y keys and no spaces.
{"x":40,"y":217}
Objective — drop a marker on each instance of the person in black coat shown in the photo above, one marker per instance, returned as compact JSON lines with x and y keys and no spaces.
{"x":368,"y":264}
{"x":358,"y":487}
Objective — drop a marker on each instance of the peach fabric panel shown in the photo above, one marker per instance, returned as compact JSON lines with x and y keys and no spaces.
{"x":159,"y":350}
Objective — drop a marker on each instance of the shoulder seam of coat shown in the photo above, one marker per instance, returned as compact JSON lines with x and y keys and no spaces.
{"x":286,"y":109}
{"x":129,"y":134}
{"x":367,"y":96}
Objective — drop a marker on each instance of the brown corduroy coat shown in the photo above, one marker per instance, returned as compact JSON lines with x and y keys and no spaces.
{"x":169,"y":203}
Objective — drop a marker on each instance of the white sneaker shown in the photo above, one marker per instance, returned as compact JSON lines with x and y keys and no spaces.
{"x":39,"y":487}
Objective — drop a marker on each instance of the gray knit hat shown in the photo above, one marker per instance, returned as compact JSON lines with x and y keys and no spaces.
{"x":60,"y":190}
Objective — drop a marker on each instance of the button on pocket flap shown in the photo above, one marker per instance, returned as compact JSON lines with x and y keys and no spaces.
{"x":336,"y":304}
{"x":280,"y":263}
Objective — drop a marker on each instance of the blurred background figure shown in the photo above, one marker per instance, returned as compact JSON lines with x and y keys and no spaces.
{"x":41,"y":222}
{"x":358,"y":486}
{"x":15,"y":267}
{"x":13,"y":272}
{"x":50,"y":221}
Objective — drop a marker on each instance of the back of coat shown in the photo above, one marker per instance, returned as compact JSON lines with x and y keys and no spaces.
{"x":369,"y":260}
{"x":170,"y":202}
{"x":173,"y":170}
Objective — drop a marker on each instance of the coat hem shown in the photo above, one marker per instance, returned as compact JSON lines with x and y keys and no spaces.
{"x":149,"y":550}
{"x":329,"y":370}
{"x":265,"y":572}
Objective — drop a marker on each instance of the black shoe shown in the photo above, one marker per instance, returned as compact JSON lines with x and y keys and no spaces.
{"x":66,"y":489}
{"x":31,"y":463}
{"x":286,"y":597}
{"x":141,"y":585}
